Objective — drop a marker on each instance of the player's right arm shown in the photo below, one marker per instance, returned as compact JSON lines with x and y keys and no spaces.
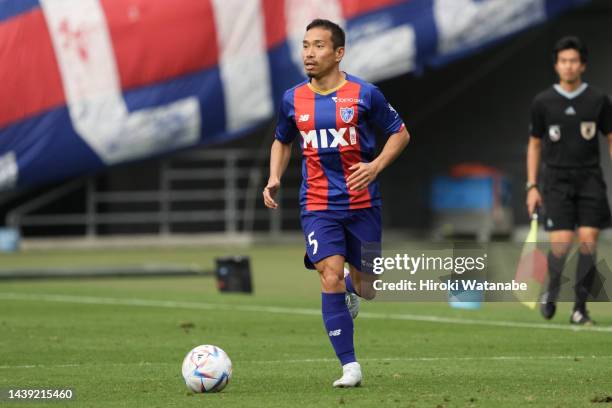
{"x":280,"y":153}
{"x":534,"y":151}
{"x":537,"y":129}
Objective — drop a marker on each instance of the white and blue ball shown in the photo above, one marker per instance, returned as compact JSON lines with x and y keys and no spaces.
{"x":207,"y":368}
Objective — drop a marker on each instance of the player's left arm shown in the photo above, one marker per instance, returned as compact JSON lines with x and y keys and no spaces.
{"x":388,"y":120}
{"x":364,"y":173}
{"x":605,"y":122}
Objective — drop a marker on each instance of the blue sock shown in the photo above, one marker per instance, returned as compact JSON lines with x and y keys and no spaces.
{"x":349,"y":285}
{"x":339,"y":326}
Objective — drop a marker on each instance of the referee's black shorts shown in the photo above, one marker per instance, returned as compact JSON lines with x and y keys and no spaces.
{"x":574,"y":197}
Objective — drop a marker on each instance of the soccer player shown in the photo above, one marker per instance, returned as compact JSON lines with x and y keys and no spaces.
{"x":565,"y":121}
{"x":334,"y":113}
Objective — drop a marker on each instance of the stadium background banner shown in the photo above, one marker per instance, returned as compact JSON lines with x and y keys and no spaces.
{"x":92,"y":83}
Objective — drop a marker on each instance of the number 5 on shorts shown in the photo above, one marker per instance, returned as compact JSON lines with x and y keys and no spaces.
{"x":313,"y":242}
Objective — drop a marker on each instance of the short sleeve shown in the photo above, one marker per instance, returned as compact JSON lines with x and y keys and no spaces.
{"x":285,"y":125}
{"x":605,"y":117}
{"x":537,"y":127}
{"x":383,"y":115}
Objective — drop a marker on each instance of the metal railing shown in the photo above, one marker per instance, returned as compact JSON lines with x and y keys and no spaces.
{"x":227,"y":198}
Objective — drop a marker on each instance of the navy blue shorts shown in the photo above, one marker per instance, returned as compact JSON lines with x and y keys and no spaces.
{"x":354,"y":234}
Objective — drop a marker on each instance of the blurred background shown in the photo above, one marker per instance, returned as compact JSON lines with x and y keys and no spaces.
{"x":136,"y":118}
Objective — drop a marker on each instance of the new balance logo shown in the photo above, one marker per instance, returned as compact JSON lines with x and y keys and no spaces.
{"x":304,"y":118}
{"x":334,"y":333}
{"x":320,"y":140}
{"x":570,"y":111}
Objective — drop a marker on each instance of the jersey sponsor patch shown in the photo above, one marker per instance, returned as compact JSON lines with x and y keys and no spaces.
{"x":588,"y":130}
{"x":346,"y":100}
{"x":319,"y":140}
{"x":554,"y":133}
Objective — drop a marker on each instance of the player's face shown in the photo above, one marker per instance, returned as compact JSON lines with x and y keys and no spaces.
{"x":318,"y":53}
{"x":569,"y":67}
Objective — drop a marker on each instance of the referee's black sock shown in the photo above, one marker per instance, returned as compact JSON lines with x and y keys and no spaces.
{"x":555,"y":269}
{"x":585,"y":275}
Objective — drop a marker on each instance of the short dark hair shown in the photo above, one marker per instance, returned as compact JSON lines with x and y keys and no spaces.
{"x":337,"y":33}
{"x":571,"y":43}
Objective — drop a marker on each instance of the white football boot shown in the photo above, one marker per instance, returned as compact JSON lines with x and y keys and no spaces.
{"x":352,"y":300}
{"x":351,"y":376}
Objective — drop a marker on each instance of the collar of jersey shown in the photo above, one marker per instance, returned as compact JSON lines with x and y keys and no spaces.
{"x":573,"y":94}
{"x":321,"y":92}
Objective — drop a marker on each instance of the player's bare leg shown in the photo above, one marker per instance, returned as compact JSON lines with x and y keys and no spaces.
{"x":337,"y":319}
{"x":585,"y":273}
{"x":560,"y":244}
{"x":331,"y":273}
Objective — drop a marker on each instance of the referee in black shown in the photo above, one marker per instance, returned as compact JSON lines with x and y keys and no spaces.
{"x":565,"y":122}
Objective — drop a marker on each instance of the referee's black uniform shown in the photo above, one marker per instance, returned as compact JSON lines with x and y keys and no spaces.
{"x":573,"y":188}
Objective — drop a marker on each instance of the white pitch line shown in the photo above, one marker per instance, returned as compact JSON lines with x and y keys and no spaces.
{"x":498,"y":323}
{"x":425,"y":359}
{"x":171,"y":304}
{"x":321,"y":360}
{"x":4,"y":367}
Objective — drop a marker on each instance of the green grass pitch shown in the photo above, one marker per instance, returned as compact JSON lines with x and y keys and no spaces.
{"x":120,"y":342}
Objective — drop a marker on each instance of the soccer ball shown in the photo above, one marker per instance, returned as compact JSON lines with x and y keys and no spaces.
{"x":207,"y":368}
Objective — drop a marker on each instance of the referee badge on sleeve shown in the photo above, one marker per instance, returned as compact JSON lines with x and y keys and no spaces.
{"x":588,"y":130}
{"x":554,"y":133}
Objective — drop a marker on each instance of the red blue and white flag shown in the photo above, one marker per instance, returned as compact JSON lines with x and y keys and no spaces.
{"x":87,"y":84}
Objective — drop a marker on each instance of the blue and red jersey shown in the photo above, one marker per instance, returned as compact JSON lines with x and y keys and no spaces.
{"x":337,"y":131}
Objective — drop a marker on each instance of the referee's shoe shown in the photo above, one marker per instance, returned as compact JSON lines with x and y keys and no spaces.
{"x":548,"y":309}
{"x":581,"y":317}
{"x":548,"y":301}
